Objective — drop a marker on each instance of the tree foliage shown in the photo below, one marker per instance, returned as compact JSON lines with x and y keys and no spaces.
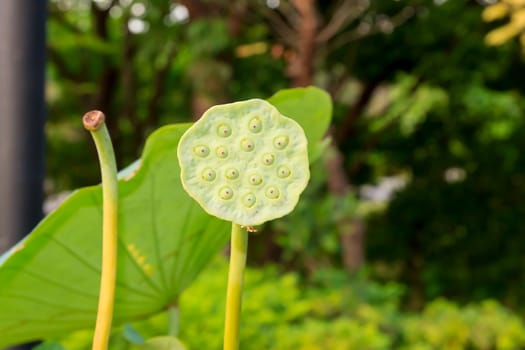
{"x":515,"y":11}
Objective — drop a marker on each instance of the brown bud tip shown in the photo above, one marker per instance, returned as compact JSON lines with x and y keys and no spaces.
{"x":92,"y":120}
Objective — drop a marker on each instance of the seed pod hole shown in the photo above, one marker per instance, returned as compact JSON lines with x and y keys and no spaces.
{"x":255,"y":125}
{"x":248,"y":200}
{"x":283,"y":171}
{"x":247,"y":144}
{"x":221,"y":152}
{"x":280,"y":142}
{"x":268,"y":159}
{"x":232,"y":173}
{"x":272,"y":192}
{"x":224,"y":130}
{"x":208,"y":174}
{"x":201,"y":150}
{"x":255,"y":179}
{"x":226,"y":193}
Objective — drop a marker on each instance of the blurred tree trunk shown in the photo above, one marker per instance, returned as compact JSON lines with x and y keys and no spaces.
{"x":22,"y":67}
{"x":415,"y":263}
{"x":351,"y":229}
{"x":301,"y":67}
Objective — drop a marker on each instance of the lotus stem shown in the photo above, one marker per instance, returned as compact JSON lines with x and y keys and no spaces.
{"x":238,"y":252}
{"x":173,"y":320}
{"x":94,"y":122}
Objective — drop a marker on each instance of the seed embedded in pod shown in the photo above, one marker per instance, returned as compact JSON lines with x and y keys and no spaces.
{"x":248,"y":200}
{"x":224,"y":130}
{"x":247,"y":144}
{"x":208,"y":174}
{"x":221,"y":152}
{"x":226,"y":193}
{"x":272,"y":192}
{"x":283,"y":171}
{"x":255,"y":179}
{"x":268,"y":159}
{"x":201,"y":150}
{"x":280,"y":142}
{"x":255,"y":125}
{"x":232,"y":173}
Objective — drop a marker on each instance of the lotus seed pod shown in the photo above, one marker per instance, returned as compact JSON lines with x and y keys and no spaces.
{"x":244,"y":162}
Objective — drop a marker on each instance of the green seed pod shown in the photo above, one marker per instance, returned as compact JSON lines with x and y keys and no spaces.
{"x":258,"y":167}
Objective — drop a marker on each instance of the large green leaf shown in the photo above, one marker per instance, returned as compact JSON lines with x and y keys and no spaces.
{"x":49,"y":282}
{"x":49,"y":285}
{"x":312,"y":108}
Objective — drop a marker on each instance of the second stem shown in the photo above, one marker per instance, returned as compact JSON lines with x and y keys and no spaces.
{"x":94,"y":121}
{"x":238,"y":252}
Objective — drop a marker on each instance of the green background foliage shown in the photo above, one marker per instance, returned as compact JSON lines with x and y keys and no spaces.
{"x":336,"y":312}
{"x":428,"y":122}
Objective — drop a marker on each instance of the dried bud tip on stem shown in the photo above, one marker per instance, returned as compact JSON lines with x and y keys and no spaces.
{"x":250,"y":229}
{"x":92,"y":120}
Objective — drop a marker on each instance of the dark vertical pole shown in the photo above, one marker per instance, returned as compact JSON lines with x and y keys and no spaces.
{"x":22,"y":66}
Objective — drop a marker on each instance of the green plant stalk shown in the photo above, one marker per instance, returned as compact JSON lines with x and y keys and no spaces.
{"x":173,"y":320}
{"x":238,"y":252}
{"x":94,"y":123}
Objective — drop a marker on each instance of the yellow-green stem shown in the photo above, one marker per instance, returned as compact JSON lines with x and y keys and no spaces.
{"x":238,"y":251}
{"x":173,"y":320}
{"x":94,"y":122}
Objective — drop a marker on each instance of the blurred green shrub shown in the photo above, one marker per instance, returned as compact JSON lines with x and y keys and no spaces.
{"x":338,"y":312}
{"x":443,"y":325}
{"x":331,"y":311}
{"x":280,"y":313}
{"x":313,"y":241}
